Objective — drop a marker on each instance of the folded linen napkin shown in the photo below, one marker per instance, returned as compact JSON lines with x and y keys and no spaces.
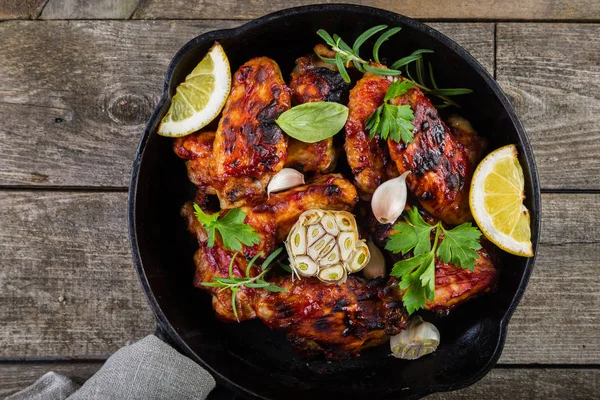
{"x":148,"y":369}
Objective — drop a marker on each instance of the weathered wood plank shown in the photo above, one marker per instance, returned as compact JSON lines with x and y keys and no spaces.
{"x":499,"y":384}
{"x":74,"y":245}
{"x":552,"y":73}
{"x":18,"y":375}
{"x":20,"y":9}
{"x":76,"y":95}
{"x":67,"y":286}
{"x":88,"y":9}
{"x":429,"y":9}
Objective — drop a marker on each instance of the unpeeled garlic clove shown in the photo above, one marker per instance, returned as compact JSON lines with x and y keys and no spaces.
{"x":389,"y":199}
{"x":375,"y":268}
{"x":418,"y":339}
{"x":287,"y":178}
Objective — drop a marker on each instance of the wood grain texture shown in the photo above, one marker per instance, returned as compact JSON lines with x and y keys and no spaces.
{"x":75,"y":95}
{"x":429,"y":9}
{"x":67,"y":285}
{"x":552,"y":74}
{"x":499,"y":384}
{"x":74,"y":245}
{"x":20,"y":9}
{"x":18,"y":375}
{"x":88,"y":9}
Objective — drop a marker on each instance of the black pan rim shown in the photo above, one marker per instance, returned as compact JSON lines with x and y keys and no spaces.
{"x":527,"y":152}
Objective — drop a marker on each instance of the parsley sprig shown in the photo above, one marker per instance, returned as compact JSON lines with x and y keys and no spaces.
{"x":234,"y":283}
{"x":417,"y":274}
{"x":231,"y":227}
{"x":391,"y":120}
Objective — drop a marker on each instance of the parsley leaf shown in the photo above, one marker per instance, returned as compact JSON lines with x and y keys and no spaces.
{"x":417,"y":273}
{"x":234,"y":232}
{"x":459,"y":246}
{"x":390,"y":120}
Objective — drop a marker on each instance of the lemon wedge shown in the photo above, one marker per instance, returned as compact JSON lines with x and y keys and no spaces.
{"x":496,"y":201}
{"x":200,"y":98}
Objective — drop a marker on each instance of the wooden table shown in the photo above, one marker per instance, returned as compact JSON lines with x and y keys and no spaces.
{"x":79,"y":78}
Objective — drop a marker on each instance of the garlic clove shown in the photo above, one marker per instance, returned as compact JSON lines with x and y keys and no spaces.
{"x":331,"y":258}
{"x":315,"y":232}
{"x":345,"y":221}
{"x":418,"y":339}
{"x":298,"y":240}
{"x":305,"y":266}
{"x":333,"y":274}
{"x":320,"y":245}
{"x":359,"y":259}
{"x":287,"y":178}
{"x":375,"y":268}
{"x":330,"y":225}
{"x":347,"y":242}
{"x":310,"y":217}
{"x":389,"y":199}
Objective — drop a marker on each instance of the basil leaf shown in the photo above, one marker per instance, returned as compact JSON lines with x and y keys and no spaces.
{"x":312,"y":122}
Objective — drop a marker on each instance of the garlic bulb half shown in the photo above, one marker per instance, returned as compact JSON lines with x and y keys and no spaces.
{"x":389,"y":199}
{"x":325,"y":244}
{"x":287,"y":178}
{"x":418,"y":339}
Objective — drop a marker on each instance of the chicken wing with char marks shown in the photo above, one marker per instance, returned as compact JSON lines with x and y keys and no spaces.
{"x":439,"y":163}
{"x":336,"y":320}
{"x":368,"y":158}
{"x":453,"y":285}
{"x":313,"y":81}
{"x":197,"y":150}
{"x":249,"y":147}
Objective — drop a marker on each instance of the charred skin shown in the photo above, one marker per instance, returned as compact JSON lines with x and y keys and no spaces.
{"x":311,"y":82}
{"x":197,"y":150}
{"x":368,"y":158}
{"x":439,"y":164}
{"x":249,"y":147}
{"x":335,"y":320}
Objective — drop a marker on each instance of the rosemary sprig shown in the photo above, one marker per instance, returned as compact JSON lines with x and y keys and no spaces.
{"x":235,"y":284}
{"x":443,"y":94}
{"x":344,"y":54}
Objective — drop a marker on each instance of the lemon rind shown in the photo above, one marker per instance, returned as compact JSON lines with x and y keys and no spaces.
{"x":215,"y":104}
{"x":482,"y":218}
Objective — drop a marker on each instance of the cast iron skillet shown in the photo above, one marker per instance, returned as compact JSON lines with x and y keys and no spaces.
{"x":248,"y":357}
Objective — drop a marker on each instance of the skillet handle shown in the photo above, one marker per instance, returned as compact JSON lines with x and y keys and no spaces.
{"x":220,"y":392}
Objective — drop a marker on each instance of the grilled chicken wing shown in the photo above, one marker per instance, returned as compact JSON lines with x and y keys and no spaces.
{"x":439,"y":164}
{"x":312,"y":81}
{"x":368,"y":158}
{"x":249,"y":147}
{"x":335,"y":320}
{"x":197,"y":149}
{"x":453,"y":285}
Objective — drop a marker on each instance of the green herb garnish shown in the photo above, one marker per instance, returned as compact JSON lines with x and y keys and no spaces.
{"x":417,"y":273}
{"x":344,"y":54}
{"x":390,"y":120}
{"x":231,"y":227}
{"x":421,"y":81}
{"x":312,"y":122}
{"x":234,"y":283}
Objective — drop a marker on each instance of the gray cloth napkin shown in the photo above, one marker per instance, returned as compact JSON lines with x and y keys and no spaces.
{"x":148,"y":369}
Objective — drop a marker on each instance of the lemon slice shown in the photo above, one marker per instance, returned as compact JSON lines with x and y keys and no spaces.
{"x":200,"y":98}
{"x":496,"y":201}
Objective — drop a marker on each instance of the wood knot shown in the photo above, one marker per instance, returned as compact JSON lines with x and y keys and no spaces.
{"x":130,"y":109}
